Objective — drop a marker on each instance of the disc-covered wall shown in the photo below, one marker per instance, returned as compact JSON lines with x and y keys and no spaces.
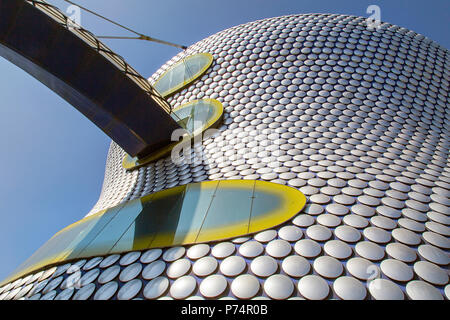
{"x":356,"y":119}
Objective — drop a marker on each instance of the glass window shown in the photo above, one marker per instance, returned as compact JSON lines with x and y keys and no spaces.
{"x":183,"y":73}
{"x":63,"y":244}
{"x":113,"y":231}
{"x":274,"y":204}
{"x":194,"y":213}
{"x":264,"y":203}
{"x":157,"y":217}
{"x":98,"y":222}
{"x":184,"y":223}
{"x":230,"y":210}
{"x":196,"y":117}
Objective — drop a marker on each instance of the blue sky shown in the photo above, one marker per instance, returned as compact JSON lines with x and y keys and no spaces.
{"x":52,"y":158}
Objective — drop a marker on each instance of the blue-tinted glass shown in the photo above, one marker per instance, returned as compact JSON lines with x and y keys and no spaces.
{"x":195,"y":207}
{"x":39,"y":255}
{"x":175,"y":217}
{"x":114,"y":230}
{"x":127,"y":241}
{"x":264,"y":203}
{"x":195,"y":116}
{"x":91,"y":231}
{"x":155,"y":214}
{"x":229,"y":211}
{"x":160,"y":217}
{"x":267,"y":208}
{"x":182,"y":215}
{"x":54,"y":247}
{"x":182,"y":74}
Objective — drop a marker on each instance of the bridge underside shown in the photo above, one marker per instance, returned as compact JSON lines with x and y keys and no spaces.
{"x":136,"y":119}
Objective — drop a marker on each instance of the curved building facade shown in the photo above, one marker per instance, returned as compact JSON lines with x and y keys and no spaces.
{"x":357,"y":120}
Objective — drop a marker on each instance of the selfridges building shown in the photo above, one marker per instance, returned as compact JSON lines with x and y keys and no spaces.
{"x":326,"y":176}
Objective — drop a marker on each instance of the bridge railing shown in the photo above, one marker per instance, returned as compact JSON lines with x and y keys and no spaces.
{"x":96,"y":44}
